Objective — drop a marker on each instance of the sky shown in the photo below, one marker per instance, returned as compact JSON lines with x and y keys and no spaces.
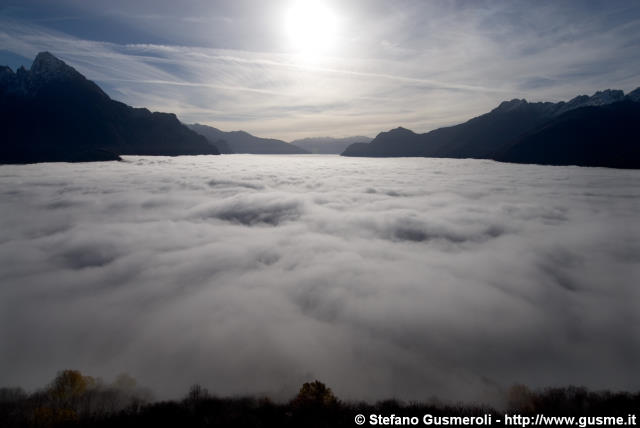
{"x":302,"y":68}
{"x":407,"y":278}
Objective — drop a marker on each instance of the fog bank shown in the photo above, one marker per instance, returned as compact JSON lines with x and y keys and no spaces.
{"x":406,"y":278}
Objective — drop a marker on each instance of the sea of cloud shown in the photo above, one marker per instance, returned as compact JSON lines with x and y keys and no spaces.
{"x":406,"y":278}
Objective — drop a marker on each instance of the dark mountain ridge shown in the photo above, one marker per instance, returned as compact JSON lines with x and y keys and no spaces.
{"x":243,"y":142}
{"x":605,"y":135}
{"x":53,"y":113}
{"x":497,"y":134}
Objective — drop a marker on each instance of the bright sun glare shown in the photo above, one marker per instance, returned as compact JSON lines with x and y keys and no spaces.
{"x":311,"y":27}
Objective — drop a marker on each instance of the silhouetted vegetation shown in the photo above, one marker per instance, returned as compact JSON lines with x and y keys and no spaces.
{"x":75,"y":400}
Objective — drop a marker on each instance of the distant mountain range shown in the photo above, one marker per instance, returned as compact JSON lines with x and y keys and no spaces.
{"x":328,"y":145}
{"x":53,"y":113}
{"x":243,"y":142}
{"x":601,"y":130}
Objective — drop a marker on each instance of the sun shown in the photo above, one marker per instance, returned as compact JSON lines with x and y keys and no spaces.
{"x":311,"y":27}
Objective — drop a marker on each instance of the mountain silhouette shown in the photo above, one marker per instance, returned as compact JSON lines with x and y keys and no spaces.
{"x":513,"y":131}
{"x":243,"y":142}
{"x":52,"y":113}
{"x":328,"y":145}
{"x":605,"y":135}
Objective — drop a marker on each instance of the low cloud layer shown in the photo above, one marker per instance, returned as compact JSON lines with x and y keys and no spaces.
{"x":406,"y":278}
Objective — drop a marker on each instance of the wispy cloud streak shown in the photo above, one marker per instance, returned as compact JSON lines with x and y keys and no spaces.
{"x":419,"y":65}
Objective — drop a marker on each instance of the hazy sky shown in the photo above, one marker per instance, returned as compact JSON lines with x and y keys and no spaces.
{"x":296,"y":68}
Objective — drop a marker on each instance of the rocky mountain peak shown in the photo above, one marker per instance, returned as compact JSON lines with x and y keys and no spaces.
{"x":634,"y":95}
{"x":506,"y":106}
{"x":49,"y":67}
{"x":607,"y":96}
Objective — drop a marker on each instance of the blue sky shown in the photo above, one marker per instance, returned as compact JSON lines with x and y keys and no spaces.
{"x":296,"y":68}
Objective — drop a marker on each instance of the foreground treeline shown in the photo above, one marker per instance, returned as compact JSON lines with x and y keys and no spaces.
{"x":75,"y":400}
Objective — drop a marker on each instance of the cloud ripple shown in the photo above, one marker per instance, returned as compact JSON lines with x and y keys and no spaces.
{"x":402,"y":278}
